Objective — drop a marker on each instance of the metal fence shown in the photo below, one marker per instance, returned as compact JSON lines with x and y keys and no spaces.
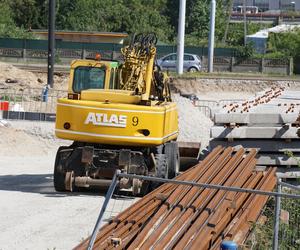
{"x":225,"y":59}
{"x":16,"y":47}
{"x":289,"y":218}
{"x":31,"y":103}
{"x":279,"y":227}
{"x":35,"y":104}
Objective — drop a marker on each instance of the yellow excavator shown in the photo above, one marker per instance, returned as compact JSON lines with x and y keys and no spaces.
{"x":119,"y":116}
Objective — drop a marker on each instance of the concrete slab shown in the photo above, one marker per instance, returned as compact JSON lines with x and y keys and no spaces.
{"x":278,"y":160}
{"x":288,"y":173}
{"x":246,"y":132}
{"x":260,"y":144}
{"x":282,"y":109}
{"x":255,"y":118}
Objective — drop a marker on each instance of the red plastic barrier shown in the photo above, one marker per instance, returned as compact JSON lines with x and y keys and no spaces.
{"x":4,"y":106}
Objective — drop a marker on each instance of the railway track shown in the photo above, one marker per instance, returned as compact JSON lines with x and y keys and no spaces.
{"x":186,"y":217}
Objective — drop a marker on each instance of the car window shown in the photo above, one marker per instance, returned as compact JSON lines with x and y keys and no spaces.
{"x":188,"y":58}
{"x":170,"y":58}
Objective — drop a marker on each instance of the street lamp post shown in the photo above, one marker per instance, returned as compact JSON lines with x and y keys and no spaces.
{"x":211,"y":44}
{"x":245,"y":23}
{"x":51,"y":42}
{"x":180,"y":39}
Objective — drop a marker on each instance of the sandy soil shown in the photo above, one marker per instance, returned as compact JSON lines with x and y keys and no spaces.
{"x":228,"y":86}
{"x":14,"y":78}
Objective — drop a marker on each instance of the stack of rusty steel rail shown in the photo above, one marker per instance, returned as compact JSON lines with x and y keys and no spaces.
{"x":186,"y":217}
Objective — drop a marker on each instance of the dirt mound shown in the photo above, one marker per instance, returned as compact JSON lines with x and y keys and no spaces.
{"x":199,"y":86}
{"x":194,"y":126}
{"x":14,"y":78}
{"x":26,"y":138}
{"x":60,"y":80}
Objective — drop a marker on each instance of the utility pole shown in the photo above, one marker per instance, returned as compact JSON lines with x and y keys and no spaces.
{"x":180,"y":38}
{"x":245,"y":23}
{"x":211,"y":44}
{"x":51,"y":42}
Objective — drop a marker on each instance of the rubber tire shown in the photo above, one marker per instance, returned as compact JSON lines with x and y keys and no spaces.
{"x":59,"y":173}
{"x":160,"y":171}
{"x":192,"y":70}
{"x":173,"y":160}
{"x":161,"y":165}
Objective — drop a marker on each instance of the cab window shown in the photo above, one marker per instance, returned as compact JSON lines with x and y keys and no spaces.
{"x":88,"y":78}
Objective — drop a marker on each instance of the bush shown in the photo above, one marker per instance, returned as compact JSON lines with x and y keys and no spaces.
{"x":246,"y":51}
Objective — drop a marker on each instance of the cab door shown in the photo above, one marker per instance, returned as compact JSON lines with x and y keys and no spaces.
{"x":188,"y":62}
{"x":169,"y":62}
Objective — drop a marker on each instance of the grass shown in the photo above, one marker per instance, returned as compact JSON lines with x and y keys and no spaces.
{"x":289,"y":234}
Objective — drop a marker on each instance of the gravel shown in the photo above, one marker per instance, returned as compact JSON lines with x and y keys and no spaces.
{"x":194,"y":126}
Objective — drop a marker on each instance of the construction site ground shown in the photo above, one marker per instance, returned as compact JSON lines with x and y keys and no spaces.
{"x":33,"y":215}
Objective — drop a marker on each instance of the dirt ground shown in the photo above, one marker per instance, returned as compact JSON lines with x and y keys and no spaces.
{"x":33,"y":215}
{"x":14,"y":78}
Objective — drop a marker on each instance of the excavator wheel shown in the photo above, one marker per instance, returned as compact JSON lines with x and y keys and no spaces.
{"x":173,"y":162}
{"x":59,"y":172}
{"x":161,"y":169}
{"x":161,"y":165}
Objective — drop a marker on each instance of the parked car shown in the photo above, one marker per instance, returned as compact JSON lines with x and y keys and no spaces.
{"x":191,"y":62}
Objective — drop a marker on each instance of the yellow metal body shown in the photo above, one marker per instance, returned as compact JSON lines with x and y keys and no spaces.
{"x":113,"y":115}
{"x":116,"y":123}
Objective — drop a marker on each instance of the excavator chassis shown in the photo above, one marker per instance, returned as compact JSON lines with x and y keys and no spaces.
{"x":83,"y":166}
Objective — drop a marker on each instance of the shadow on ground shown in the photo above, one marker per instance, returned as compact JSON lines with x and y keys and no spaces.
{"x":38,"y":183}
{"x":43,"y":184}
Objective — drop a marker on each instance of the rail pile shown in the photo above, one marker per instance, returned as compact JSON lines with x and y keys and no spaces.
{"x":188,"y":217}
{"x":268,"y":122}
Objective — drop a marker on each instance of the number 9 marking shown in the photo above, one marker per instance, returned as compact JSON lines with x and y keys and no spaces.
{"x":135,"y":121}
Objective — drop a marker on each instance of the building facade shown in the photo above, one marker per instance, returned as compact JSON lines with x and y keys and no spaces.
{"x":265,"y":5}
{"x":84,"y":36}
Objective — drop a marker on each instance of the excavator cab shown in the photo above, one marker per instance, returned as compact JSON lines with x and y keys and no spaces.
{"x":86,"y":74}
{"x":119,"y":116}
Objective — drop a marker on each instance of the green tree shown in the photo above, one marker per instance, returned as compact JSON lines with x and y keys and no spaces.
{"x":8,"y":27}
{"x":235,"y":34}
{"x":287,"y":43}
{"x":197,"y":20}
{"x":25,"y":13}
{"x":119,"y":16}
